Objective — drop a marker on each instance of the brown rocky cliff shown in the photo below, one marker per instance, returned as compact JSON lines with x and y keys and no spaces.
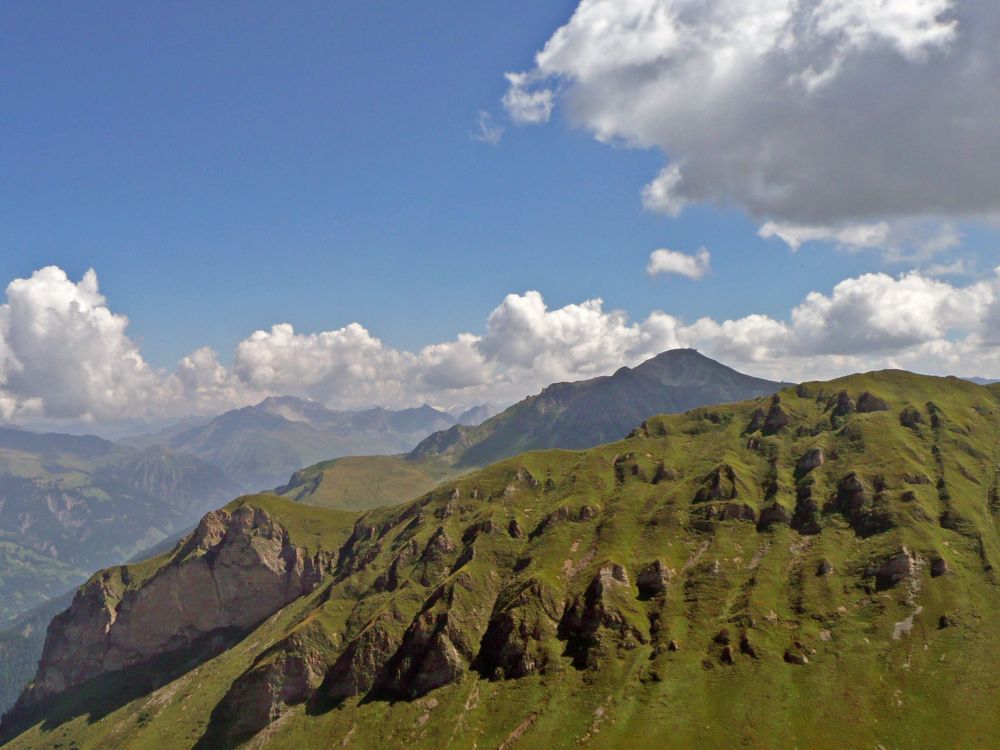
{"x":235,"y":570}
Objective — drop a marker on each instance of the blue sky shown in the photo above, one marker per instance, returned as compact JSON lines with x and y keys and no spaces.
{"x":225,"y":167}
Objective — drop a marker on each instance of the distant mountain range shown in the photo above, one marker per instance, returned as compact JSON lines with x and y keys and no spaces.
{"x":71,"y":504}
{"x":564,"y":415}
{"x":259,"y":446}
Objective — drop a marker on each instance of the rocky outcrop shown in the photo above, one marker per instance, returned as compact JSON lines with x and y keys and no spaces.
{"x":440,"y":643}
{"x":869,"y":402}
{"x":362,"y":663}
{"x":391,"y":577}
{"x":603,"y":617}
{"x":772,"y":514}
{"x":863,"y":509}
{"x":911,"y":417}
{"x":727,"y":512}
{"x":436,"y":557}
{"x":653,"y":580}
{"x":521,"y":631}
{"x":776,"y":418}
{"x":235,"y":570}
{"x":894,"y":569}
{"x":664,"y":473}
{"x":720,"y":484}
{"x":812,"y":459}
{"x":842,"y":404}
{"x":285,"y":675}
{"x":756,"y":420}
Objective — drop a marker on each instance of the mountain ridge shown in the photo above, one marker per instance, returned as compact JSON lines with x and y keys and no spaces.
{"x":567,"y":415}
{"x":825,"y":556}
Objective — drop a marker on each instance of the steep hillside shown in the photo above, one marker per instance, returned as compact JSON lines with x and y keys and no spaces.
{"x":817,"y":569}
{"x":69,"y":505}
{"x":21,"y":647}
{"x":563,"y":415}
{"x":260,"y":446}
{"x":22,"y":640}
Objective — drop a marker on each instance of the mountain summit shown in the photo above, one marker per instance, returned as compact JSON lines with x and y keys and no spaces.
{"x":564,"y":415}
{"x":590,"y":412}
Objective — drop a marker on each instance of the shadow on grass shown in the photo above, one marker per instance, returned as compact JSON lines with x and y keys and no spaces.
{"x":106,"y":693}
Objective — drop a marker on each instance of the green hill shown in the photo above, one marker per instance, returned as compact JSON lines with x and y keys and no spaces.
{"x":817,"y":569}
{"x":564,"y":415}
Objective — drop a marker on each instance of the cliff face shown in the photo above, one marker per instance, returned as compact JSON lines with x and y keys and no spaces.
{"x":235,"y":570}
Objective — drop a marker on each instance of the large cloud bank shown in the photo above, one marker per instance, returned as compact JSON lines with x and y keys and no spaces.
{"x":861,"y":122}
{"x":66,"y":355}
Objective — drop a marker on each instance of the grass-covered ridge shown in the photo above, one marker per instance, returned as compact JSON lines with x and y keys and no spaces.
{"x":573,"y":415}
{"x":816,"y":570}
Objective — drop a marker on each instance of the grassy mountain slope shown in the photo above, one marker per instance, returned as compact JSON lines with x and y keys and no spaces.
{"x":362,"y":482}
{"x":815,"y":570}
{"x":260,"y":446}
{"x":564,"y":415}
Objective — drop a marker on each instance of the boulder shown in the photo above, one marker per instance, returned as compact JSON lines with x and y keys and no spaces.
{"x":812,"y":459}
{"x":911,"y":417}
{"x":796,"y":654}
{"x":894,"y":569}
{"x":772,"y":514}
{"x":869,"y":402}
{"x":653,"y":580}
{"x":939,"y":566}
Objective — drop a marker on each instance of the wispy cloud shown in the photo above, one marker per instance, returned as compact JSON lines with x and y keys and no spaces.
{"x":488,"y":131}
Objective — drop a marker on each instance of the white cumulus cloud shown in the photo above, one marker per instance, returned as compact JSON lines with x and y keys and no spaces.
{"x":66,"y":355}
{"x":824,"y":119}
{"x":671,"y":261}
